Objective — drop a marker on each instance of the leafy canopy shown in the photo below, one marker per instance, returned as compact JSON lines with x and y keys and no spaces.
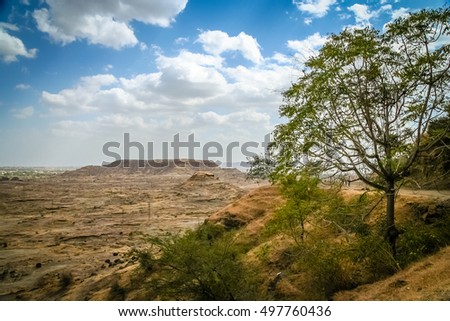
{"x":366,"y":100}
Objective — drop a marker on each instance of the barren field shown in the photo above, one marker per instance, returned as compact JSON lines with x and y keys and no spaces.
{"x":69,"y":236}
{"x":66,"y":237}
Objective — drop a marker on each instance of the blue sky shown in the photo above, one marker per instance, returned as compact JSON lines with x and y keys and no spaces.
{"x":75,"y":75}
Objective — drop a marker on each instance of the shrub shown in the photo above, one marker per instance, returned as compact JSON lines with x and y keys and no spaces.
{"x":200,"y":265}
{"x":323,"y":266}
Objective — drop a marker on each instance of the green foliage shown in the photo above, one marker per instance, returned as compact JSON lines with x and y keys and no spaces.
{"x":204,"y":264}
{"x":303,"y":198}
{"x":432,"y":169}
{"x":261,"y":167}
{"x":324,"y":265}
{"x":422,"y":238}
{"x":349,"y":216}
{"x":372,"y":255}
{"x":360,"y":106}
{"x":365,"y":101}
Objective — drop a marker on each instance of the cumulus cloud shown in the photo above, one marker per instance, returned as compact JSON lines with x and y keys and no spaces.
{"x":308,"y":47}
{"x":316,"y":8}
{"x":12,"y":47}
{"x":363,"y":14}
{"x":186,"y":83}
{"x":217,"y":42}
{"x":103,"y":22}
{"x":23,"y":113}
{"x":82,"y":98}
{"x":188,"y":92}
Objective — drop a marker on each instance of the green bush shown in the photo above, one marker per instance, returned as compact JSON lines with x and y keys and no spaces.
{"x":420,"y":239}
{"x":203,"y":264}
{"x":373,"y":257}
{"x":303,"y":198}
{"x":326,"y":270}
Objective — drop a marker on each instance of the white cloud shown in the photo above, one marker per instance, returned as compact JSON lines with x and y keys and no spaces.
{"x":217,"y":42}
{"x":22,"y":86}
{"x":189,"y":92}
{"x":308,"y":47}
{"x":12,"y":47}
{"x":103,"y":22}
{"x":281,"y":58}
{"x":316,"y":8}
{"x":182,"y":40}
{"x":23,"y":113}
{"x":363,"y":14}
{"x":400,"y":13}
{"x":307,"y":21}
{"x":82,"y":98}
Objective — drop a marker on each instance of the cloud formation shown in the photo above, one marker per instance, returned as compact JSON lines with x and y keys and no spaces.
{"x":188,"y":92}
{"x":12,"y":47}
{"x":217,"y":42}
{"x":363,"y":14}
{"x":103,"y":22}
{"x":308,"y":47}
{"x":316,"y":8}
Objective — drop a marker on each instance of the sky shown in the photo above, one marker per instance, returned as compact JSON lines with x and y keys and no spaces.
{"x":85,"y":82}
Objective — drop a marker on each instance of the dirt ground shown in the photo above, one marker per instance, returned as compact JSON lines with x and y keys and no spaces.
{"x":66,"y":237}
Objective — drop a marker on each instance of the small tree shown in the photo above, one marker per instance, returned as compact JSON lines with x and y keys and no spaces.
{"x":261,"y":167}
{"x":303,"y":198}
{"x":364,"y":103}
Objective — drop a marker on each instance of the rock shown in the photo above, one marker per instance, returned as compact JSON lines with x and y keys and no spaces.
{"x":231,"y":222}
{"x":38,"y":265}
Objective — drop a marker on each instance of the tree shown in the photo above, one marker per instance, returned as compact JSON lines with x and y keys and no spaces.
{"x":261,"y":167}
{"x":365,"y":101}
{"x":303,"y":198}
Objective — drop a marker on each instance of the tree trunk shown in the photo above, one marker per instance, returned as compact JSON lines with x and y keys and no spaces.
{"x":391,"y":231}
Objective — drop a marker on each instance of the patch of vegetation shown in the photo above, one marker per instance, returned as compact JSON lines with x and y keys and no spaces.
{"x":204,"y":264}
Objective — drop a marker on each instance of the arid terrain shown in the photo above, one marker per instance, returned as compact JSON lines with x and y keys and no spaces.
{"x":69,"y":236}
{"x":78,"y":227}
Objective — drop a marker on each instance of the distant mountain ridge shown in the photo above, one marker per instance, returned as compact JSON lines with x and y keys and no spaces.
{"x":158,"y":167}
{"x":141,"y":163}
